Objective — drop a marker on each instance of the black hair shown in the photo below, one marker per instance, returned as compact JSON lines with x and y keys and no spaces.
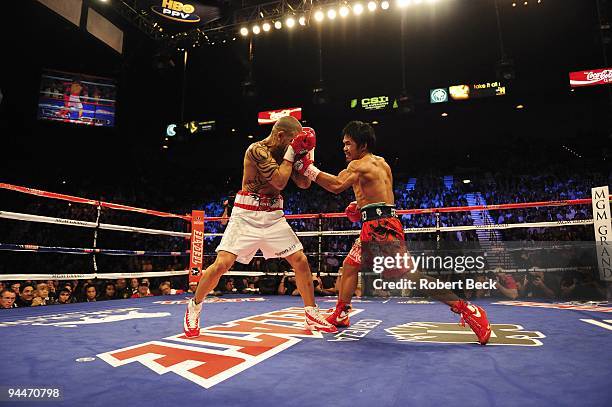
{"x":6,"y":291}
{"x":23,"y":287}
{"x":362,"y":133}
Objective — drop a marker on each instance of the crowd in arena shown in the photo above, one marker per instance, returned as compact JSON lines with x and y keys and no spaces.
{"x":325,"y":254}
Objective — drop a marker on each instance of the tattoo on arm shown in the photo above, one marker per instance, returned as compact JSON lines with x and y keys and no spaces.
{"x":260,"y":155}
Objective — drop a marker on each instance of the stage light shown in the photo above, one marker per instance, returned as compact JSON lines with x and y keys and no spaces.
{"x":278,"y":25}
{"x":358,"y":9}
{"x":244,"y":31}
{"x":344,"y":11}
{"x":444,"y":114}
{"x":302,"y":20}
{"x":266,"y":27}
{"x":404,"y":3}
{"x":372,"y":6}
{"x":384,"y":5}
{"x":290,"y":22}
{"x":256,"y":29}
{"x":466,"y":181}
{"x":250,"y":136}
{"x":331,"y":13}
{"x":319,"y":16}
{"x":520,"y":107}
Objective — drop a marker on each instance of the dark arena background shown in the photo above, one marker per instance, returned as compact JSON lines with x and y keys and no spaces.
{"x":123,"y":131}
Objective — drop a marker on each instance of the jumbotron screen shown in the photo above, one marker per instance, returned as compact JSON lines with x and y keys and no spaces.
{"x":77,"y":98}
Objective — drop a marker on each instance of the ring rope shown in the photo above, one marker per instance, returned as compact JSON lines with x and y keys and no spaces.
{"x":92,"y":225}
{"x":79,"y":250}
{"x":86,"y":201}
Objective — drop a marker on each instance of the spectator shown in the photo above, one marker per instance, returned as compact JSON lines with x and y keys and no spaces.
{"x":287,"y":286}
{"x":64,"y":297}
{"x":121,"y":288}
{"x":134,"y":286}
{"x":110,"y":292}
{"x":41,"y":295}
{"x":7,"y":299}
{"x":26,"y":295}
{"x":506,"y":286}
{"x":91,"y":293}
{"x":143,"y":291}
{"x":537,"y":285}
{"x":16,"y":288}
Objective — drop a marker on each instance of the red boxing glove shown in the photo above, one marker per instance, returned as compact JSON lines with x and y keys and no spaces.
{"x":305,"y":166}
{"x":304,"y":142}
{"x":352,"y":212}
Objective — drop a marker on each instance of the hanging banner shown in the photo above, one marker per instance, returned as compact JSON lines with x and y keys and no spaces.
{"x":603,"y":231}
{"x":197,"y":246}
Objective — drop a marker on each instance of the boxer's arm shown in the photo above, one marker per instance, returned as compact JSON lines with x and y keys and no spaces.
{"x":268,"y":168}
{"x":300,"y":180}
{"x":343,"y":181}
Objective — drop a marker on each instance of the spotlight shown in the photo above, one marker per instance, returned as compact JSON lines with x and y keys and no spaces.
{"x":290,"y":22}
{"x":319,"y":16}
{"x":256,"y":29}
{"x":358,"y":8}
{"x":444,"y":114}
{"x":344,"y":11}
{"x":302,"y":20}
{"x":505,"y":70}
{"x":404,"y":3}
{"x":244,"y":31}
{"x":331,"y":13}
{"x":249,"y":91}
{"x":520,"y":107}
{"x":384,"y":5}
{"x":372,"y":6}
{"x":266,"y":27}
{"x":320,"y":95}
{"x":278,"y":25}
{"x":466,"y":181}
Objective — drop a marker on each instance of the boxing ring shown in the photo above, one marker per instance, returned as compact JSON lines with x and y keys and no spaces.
{"x":254,"y":351}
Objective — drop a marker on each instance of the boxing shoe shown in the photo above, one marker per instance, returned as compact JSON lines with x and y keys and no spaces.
{"x":314,"y":321}
{"x":340,"y":316}
{"x":191,"y":322}
{"x":476,"y":317}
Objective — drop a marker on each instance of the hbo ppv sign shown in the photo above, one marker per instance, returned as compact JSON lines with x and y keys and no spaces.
{"x":177,"y":11}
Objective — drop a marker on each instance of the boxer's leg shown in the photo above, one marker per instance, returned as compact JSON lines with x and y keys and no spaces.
{"x":303,"y":277}
{"x":349,"y":282}
{"x":212,"y":274}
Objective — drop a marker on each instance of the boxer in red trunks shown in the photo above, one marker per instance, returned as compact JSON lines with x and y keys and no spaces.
{"x":372,"y":182}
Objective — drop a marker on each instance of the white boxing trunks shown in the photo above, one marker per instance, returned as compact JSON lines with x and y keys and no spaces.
{"x":258,"y":222}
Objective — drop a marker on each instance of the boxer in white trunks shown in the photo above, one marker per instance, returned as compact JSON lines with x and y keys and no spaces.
{"x":258,"y":222}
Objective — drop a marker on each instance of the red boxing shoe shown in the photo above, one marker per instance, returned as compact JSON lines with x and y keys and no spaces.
{"x":314,"y":321}
{"x":340,"y":315}
{"x":191,"y":322}
{"x":476,"y":317}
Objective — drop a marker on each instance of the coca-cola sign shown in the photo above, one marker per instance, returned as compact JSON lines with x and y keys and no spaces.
{"x":591,"y":78}
{"x":272,"y":116}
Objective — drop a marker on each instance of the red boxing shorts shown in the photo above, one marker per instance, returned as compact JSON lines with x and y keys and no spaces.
{"x":380,"y":224}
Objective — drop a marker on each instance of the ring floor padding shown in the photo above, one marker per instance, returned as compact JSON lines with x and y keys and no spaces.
{"x":396,"y":353}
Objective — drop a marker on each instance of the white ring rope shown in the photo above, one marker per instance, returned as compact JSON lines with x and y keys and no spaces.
{"x":92,"y":225}
{"x":123,"y":228}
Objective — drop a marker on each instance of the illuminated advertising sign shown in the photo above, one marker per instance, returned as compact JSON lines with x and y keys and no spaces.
{"x":591,"y":78}
{"x":374,"y":103}
{"x":171,"y":16}
{"x":474,"y":91}
{"x":272,"y":116}
{"x":439,"y":95}
{"x":200,"y":127}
